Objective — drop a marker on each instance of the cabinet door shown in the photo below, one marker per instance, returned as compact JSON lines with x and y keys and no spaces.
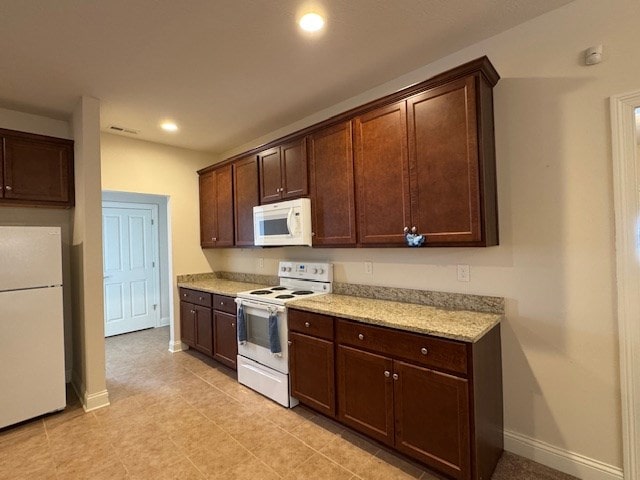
{"x":204,"y":330}
{"x":294,"y":169}
{"x":443,"y":156}
{"x":332,"y":186}
{"x":208,"y":209}
{"x":432,"y":418}
{"x":245,"y":197}
{"x":365,"y":393}
{"x":224,"y":207}
{"x":382,"y":175}
{"x":188,"y":323}
{"x":38,"y":171}
{"x":225,"y":339}
{"x":311,"y":365}
{"x":270,"y":175}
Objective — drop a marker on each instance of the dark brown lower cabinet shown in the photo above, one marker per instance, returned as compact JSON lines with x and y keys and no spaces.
{"x":312,"y":372}
{"x":365,"y":393}
{"x":207,"y":325}
{"x":225,"y":339}
{"x":204,"y":330}
{"x":436,"y":400}
{"x":432,"y":417}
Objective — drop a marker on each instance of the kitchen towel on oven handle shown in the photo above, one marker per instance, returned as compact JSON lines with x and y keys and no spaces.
{"x":242,"y":326}
{"x":274,"y":337}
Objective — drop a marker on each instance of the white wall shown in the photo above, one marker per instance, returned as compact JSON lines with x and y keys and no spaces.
{"x":130,"y":165}
{"x":555,"y":263}
{"x":27,"y":122}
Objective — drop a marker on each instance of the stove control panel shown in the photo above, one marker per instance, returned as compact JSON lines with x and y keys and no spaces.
{"x":320,"y":272}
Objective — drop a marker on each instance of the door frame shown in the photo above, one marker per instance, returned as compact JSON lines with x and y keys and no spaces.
{"x":626,"y":183}
{"x":165,"y":290}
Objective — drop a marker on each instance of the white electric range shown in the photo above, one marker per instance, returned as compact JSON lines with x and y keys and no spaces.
{"x":261,"y":366}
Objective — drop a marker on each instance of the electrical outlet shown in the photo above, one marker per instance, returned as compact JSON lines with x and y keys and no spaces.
{"x":464,"y":273}
{"x":368,"y":268}
{"x":260,"y":262}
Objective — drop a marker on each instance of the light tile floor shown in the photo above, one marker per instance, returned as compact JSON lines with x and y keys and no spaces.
{"x":184,"y":416}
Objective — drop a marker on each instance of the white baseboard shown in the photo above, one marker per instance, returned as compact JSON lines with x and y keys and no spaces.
{"x":92,"y":401}
{"x":164,"y":322}
{"x":563,"y":460}
{"x":177,"y":346}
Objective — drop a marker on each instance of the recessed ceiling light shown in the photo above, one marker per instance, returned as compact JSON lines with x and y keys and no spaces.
{"x":169,"y":126}
{"x":311,"y":22}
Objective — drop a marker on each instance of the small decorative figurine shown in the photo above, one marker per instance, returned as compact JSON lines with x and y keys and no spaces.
{"x":412,"y":237}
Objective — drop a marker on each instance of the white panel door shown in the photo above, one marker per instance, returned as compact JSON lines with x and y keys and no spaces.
{"x":130,"y":267}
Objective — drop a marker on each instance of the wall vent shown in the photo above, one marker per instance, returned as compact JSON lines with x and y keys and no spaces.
{"x":116,"y":128}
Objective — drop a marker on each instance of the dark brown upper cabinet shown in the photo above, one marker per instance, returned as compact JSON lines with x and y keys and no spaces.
{"x":332,"y":186}
{"x":36,"y":170}
{"x":245,"y":197}
{"x":382,"y":175}
{"x":446,"y":162}
{"x":283,"y":172}
{"x":216,"y":207}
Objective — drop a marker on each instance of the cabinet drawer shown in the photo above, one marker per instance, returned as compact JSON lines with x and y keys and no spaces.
{"x":416,"y":348}
{"x":196,"y":297}
{"x":224,"y":304}
{"x":314,"y":324}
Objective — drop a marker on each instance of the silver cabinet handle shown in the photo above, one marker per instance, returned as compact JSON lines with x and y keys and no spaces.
{"x":361,"y":336}
{"x":222,"y":303}
{"x":201,"y":298}
{"x":395,"y":376}
{"x":184,"y":295}
{"x":8,"y":188}
{"x":424,"y":351}
{"x":193,"y":311}
{"x":233,"y":324}
{"x":289,"y":342}
{"x":307,"y":324}
{"x":387,"y":373}
{"x":213,"y":238}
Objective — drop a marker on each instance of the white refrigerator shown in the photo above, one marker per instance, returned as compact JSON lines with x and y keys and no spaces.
{"x":32,"y":377}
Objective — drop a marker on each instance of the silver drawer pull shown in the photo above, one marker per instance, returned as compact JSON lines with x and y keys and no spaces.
{"x":387,"y":373}
{"x":424,"y":351}
{"x":361,"y":336}
{"x":289,"y":342}
{"x":395,"y":376}
{"x":8,"y":188}
{"x":201,"y":298}
{"x":233,"y":324}
{"x":307,"y":324}
{"x":221,"y":303}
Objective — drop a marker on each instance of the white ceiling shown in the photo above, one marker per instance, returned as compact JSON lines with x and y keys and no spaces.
{"x":226,"y":71}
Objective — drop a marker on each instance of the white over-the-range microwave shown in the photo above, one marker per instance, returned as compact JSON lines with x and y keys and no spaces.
{"x":283,"y":223}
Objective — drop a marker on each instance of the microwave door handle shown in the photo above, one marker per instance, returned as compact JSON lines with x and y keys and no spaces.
{"x":289,"y":217}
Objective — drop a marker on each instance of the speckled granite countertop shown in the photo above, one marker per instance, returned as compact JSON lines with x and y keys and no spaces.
{"x":454,"y":324}
{"x":220,"y":286}
{"x":440,"y":321}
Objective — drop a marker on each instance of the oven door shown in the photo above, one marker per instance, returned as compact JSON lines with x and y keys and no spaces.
{"x":257,"y":347}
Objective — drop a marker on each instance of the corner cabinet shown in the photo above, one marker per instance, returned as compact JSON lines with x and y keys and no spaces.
{"x":436,"y":400}
{"x":36,"y":170}
{"x":283,"y":172}
{"x":216,"y":207}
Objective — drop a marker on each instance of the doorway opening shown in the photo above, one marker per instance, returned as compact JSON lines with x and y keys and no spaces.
{"x":136,"y":262}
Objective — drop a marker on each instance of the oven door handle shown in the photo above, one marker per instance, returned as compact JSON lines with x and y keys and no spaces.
{"x":259,"y":306}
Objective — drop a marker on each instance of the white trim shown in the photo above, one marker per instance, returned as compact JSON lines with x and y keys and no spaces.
{"x":627,"y":214}
{"x":563,"y":460}
{"x":95,"y":401}
{"x":177,"y":346}
{"x":92,"y":401}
